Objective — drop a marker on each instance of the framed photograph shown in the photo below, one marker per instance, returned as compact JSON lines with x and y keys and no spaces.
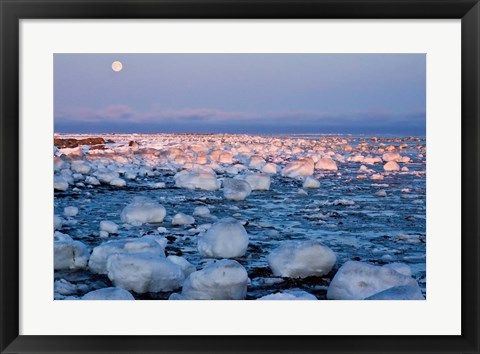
{"x":269,"y":176}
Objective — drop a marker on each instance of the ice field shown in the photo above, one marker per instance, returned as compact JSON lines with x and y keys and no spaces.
{"x":203,"y":216}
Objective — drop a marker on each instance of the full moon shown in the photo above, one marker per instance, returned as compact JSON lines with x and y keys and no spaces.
{"x":117,"y":66}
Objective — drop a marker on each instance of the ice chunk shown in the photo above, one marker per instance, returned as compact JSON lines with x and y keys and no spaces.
{"x":344,"y":202}
{"x":108,"y":226}
{"x":270,"y":168}
{"x":311,"y":182}
{"x":257,"y":181}
{"x":326,"y":164}
{"x":57,"y":222}
{"x":300,"y":259}
{"x":118,"y":182}
{"x":236,"y":189}
{"x":59,"y":184}
{"x":201,"y":211}
{"x":147,"y":244}
{"x":404,"y":292}
{"x":80,"y":166}
{"x":144,"y":272}
{"x":220,"y":280}
{"x":64,"y":287}
{"x":197,"y":179}
{"x":289,"y":295}
{"x":70,"y":211}
{"x":92,"y":181}
{"x":391,"y":166}
{"x":183,"y":219}
{"x":358,"y":280}
{"x":391,"y":156}
{"x":303,"y":167}
{"x":143,"y":210}
{"x":381,"y":193}
{"x":227,"y":238}
{"x":402,"y":268}
{"x":108,"y":294}
{"x":69,"y":254}
{"x":186,"y":266}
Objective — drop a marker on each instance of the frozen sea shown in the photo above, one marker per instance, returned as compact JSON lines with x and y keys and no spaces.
{"x":347,"y":213}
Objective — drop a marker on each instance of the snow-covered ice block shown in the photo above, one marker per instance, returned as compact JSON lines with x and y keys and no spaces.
{"x":310,"y":182}
{"x":108,"y":226}
{"x":227,"y":238}
{"x":182,"y":219}
{"x":303,"y":167}
{"x":403,"y":292}
{"x":70,"y":211}
{"x":80,"y":166}
{"x":300,"y":259}
{"x":344,"y":202}
{"x":118,"y":182}
{"x":144,"y":272}
{"x":236,"y":189}
{"x":256,"y":162}
{"x":289,"y":295}
{"x":64,"y":287}
{"x":59,"y":184}
{"x":201,"y":211}
{"x":391,"y":156}
{"x":186,"y":266}
{"x":326,"y":164}
{"x":143,"y":210}
{"x":270,"y":168}
{"x":220,"y":280}
{"x":92,"y":181}
{"x":197,"y":179}
{"x":68,"y":253}
{"x":257,"y":181}
{"x":402,"y":268}
{"x":147,"y":244}
{"x":57,"y":222}
{"x":108,"y":294}
{"x":358,"y":280}
{"x":391,"y":166}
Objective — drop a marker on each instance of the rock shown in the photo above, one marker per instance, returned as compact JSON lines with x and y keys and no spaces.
{"x":220,"y":280}
{"x":226,"y":238}
{"x":300,"y":259}
{"x":235,"y":189}
{"x":358,"y":280}
{"x":143,"y":210}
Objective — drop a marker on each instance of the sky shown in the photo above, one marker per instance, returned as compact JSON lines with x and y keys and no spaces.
{"x":241,"y":93}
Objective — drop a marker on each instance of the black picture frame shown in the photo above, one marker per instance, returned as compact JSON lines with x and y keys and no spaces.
{"x":14,"y":10}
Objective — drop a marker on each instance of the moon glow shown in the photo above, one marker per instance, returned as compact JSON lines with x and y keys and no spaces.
{"x":117,"y":66}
